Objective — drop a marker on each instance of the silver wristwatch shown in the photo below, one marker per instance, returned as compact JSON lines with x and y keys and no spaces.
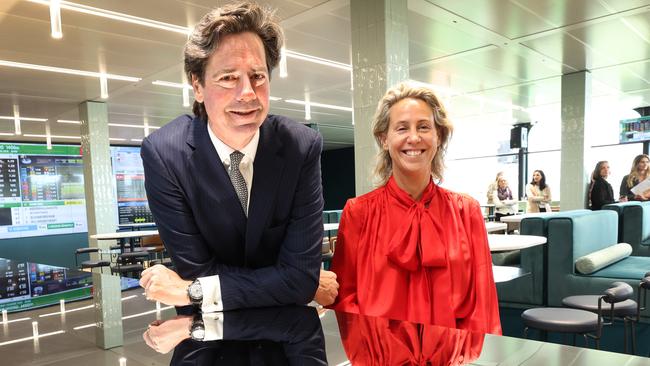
{"x":195,"y":293}
{"x":197,"y":330}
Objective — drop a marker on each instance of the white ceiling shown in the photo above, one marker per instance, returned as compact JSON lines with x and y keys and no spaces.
{"x":491,"y":54}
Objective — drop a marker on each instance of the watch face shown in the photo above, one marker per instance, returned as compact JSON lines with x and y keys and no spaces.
{"x":195,"y":291}
{"x":198,"y":334}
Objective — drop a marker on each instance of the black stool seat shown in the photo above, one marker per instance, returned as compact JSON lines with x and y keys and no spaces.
{"x":590,"y":303}
{"x":87,"y":250}
{"x":133,"y":255}
{"x":561,"y":320}
{"x":135,"y":267}
{"x":94,"y":264}
{"x":165,"y":262}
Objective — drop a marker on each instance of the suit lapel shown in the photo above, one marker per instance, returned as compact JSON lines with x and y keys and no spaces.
{"x":267,"y":171}
{"x":211,"y":176}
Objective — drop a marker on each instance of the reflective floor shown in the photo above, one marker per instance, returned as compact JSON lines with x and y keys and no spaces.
{"x":69,"y":340}
{"x":74,"y":344}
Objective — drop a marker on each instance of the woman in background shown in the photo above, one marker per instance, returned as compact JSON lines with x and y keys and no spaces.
{"x":538,"y":193}
{"x":492,"y":188}
{"x":600,"y":191}
{"x":502,"y":198}
{"x":640,"y":171}
{"x":411,"y":250}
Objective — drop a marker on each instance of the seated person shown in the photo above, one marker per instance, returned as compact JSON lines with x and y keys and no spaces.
{"x":411,"y":250}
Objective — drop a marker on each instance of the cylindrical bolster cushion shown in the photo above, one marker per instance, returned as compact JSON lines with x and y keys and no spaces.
{"x":600,"y":259}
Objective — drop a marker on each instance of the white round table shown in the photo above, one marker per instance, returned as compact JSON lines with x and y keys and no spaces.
{"x":124,"y":236}
{"x":491,"y":226}
{"x":501,"y":243}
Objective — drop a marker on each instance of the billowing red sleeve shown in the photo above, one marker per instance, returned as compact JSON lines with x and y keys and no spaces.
{"x":344,"y":263}
{"x":483,"y":312}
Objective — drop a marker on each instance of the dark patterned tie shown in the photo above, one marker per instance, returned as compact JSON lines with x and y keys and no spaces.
{"x":237,"y":179}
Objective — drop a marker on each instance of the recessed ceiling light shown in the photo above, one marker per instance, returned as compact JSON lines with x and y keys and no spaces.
{"x":136,"y":140}
{"x":25,"y":118}
{"x":118,"y":16}
{"x":321,"y":105}
{"x":129,"y":126}
{"x":68,"y":121}
{"x":55,"y":19}
{"x":53,"y":136}
{"x":318,"y":60}
{"x":116,"y":139}
{"x":63,"y":70}
{"x":103,"y":86}
{"x":17,"y":120}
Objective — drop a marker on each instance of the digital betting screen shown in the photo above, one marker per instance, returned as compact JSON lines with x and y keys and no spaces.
{"x":42,"y":190}
{"x":26,"y":285}
{"x":635,"y":130}
{"x":132,"y":205}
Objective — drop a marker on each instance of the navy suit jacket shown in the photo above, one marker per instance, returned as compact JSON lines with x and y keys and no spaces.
{"x":273,"y":257}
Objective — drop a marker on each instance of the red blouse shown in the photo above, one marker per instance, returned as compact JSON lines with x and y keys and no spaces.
{"x":424,"y":261}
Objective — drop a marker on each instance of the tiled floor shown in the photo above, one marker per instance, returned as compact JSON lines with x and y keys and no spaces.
{"x":77,"y":347}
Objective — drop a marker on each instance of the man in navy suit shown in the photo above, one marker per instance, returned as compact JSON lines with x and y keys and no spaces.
{"x":236,"y":193}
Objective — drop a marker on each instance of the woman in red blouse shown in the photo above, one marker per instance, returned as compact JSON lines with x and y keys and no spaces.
{"x":411,"y":250}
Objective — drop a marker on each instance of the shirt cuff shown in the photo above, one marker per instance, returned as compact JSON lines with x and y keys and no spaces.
{"x":213,"y":323}
{"x":211,"y":287}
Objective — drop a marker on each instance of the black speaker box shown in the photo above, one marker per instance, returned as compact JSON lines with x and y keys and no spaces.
{"x":518,"y":137}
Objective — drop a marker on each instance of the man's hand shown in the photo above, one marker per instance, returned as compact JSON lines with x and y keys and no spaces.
{"x":162,"y":284}
{"x":164,"y":336}
{"x":328,"y":288}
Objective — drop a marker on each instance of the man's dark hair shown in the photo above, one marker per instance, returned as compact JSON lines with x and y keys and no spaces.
{"x":230,"y":19}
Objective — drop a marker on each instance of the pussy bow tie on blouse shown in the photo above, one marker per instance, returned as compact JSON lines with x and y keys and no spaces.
{"x":417,"y":240}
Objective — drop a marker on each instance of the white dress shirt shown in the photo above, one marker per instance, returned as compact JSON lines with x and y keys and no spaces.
{"x":211,"y":285}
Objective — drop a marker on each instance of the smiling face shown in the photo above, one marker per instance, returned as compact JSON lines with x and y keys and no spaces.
{"x":235,"y":90}
{"x":537,"y":177}
{"x":411,"y":139}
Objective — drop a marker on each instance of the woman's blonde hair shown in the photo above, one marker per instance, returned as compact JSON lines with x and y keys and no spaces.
{"x":381,"y":122}
{"x":633,"y":173}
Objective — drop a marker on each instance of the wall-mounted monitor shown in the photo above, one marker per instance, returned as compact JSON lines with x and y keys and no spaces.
{"x":132,"y":205}
{"x":26,"y":285}
{"x":634,"y":130}
{"x":42,"y":191}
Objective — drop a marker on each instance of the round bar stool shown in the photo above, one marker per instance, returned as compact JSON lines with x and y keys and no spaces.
{"x":563,"y":320}
{"x":576,"y":321}
{"x":90,"y":263}
{"x":624,"y":310}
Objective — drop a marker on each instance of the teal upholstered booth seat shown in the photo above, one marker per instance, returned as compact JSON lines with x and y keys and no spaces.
{"x":530,"y":289}
{"x":574,"y":234}
{"x":331,"y":217}
{"x":633,"y":225}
